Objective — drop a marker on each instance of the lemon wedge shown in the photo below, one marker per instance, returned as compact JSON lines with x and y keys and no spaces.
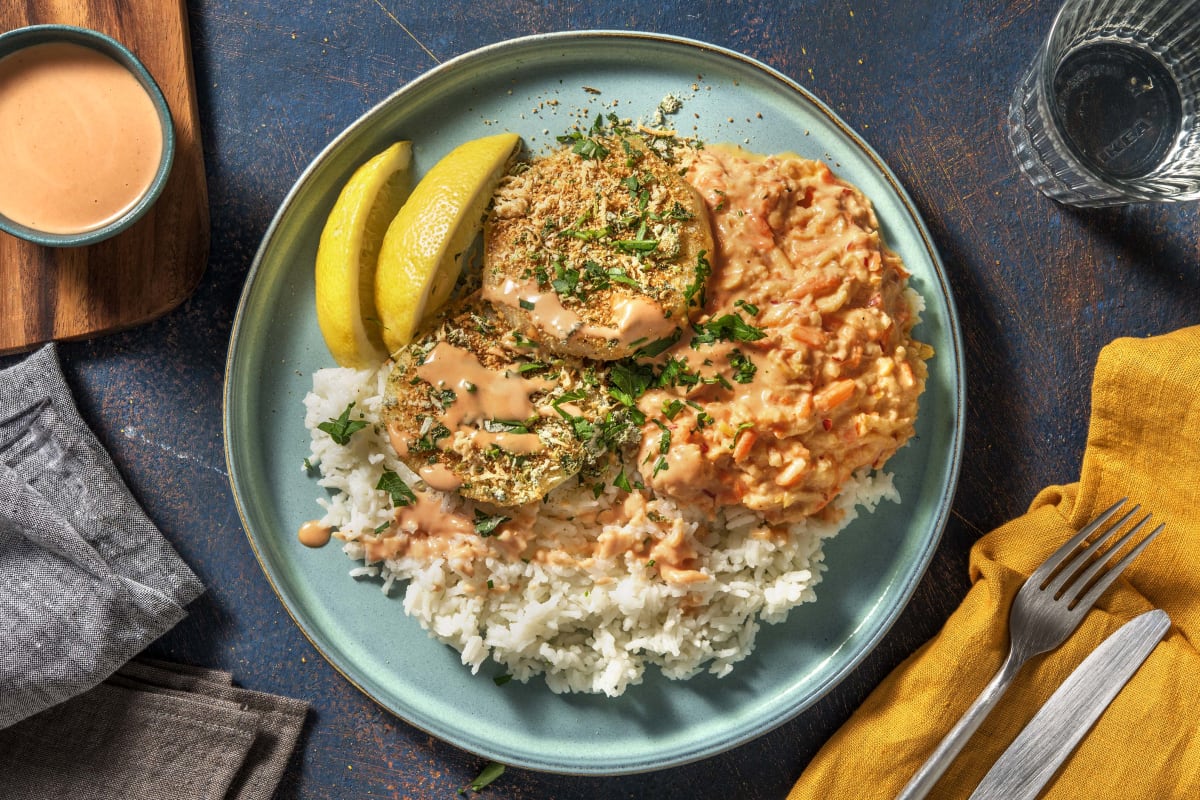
{"x":423,"y":249}
{"x":348,"y":252}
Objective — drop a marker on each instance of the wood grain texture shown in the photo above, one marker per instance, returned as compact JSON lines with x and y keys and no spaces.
{"x":149,"y":269}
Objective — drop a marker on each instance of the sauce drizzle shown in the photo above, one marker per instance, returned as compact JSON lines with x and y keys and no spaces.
{"x":314,"y":534}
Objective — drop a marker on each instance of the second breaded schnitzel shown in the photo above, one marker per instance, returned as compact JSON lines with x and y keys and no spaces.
{"x":472,"y":406}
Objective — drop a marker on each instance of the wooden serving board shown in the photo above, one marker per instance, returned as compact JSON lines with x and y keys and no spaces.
{"x":148,"y":269}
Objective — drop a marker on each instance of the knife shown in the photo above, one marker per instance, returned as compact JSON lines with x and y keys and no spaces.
{"x":1038,"y":751}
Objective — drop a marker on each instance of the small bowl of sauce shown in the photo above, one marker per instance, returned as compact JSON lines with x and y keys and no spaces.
{"x":86,"y":139}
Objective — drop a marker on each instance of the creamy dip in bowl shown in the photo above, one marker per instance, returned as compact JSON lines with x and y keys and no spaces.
{"x":86,"y":139}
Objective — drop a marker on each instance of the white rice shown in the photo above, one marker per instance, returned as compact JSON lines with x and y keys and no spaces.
{"x":590,"y":628}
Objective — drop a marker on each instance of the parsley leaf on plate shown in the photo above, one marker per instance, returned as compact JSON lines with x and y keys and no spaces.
{"x":342,"y":428}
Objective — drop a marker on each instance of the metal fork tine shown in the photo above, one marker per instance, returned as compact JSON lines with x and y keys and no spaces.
{"x":1039,"y":575}
{"x":1069,"y":572}
{"x":1084,"y":577}
{"x":1107,"y":578}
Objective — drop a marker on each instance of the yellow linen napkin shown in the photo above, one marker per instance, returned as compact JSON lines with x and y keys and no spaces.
{"x":1143,"y":443}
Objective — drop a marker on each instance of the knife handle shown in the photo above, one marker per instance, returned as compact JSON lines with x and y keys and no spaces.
{"x":1034,"y":757}
{"x":954,"y":741}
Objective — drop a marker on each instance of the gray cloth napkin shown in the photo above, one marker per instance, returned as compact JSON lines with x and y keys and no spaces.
{"x":86,"y":582}
{"x":86,"y":579}
{"x":154,"y":731}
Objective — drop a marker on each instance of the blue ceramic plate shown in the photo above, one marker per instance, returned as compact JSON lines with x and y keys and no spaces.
{"x":536,"y":86}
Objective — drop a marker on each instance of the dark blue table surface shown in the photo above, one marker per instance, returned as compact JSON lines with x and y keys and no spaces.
{"x":1039,"y":288}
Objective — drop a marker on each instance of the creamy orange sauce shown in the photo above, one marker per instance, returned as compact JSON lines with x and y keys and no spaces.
{"x":836,"y":377}
{"x":439,"y":477}
{"x":522,"y":443}
{"x":636,"y":319}
{"x":314,"y":534}
{"x":398,"y":437}
{"x":480,"y":395}
{"x":675,"y":558}
{"x":80,"y":139}
{"x":545,"y":309}
{"x":424,"y":530}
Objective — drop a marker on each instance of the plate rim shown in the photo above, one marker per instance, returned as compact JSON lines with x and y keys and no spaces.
{"x":957,"y":395}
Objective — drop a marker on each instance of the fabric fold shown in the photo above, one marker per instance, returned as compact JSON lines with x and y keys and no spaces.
{"x":280,"y":720}
{"x":1144,"y":444}
{"x":154,"y":731}
{"x":86,"y":579}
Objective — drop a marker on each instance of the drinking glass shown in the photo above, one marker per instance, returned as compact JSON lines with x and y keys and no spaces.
{"x":1107,"y":113}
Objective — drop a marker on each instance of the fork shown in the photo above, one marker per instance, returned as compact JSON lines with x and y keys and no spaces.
{"x":1047,"y":609}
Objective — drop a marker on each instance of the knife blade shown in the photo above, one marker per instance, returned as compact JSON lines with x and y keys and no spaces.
{"x":1036,"y":754}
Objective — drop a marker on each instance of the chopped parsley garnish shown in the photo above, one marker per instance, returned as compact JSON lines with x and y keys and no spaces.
{"x":743,"y":367}
{"x":486,"y":524}
{"x":622,"y":482}
{"x":585,"y":146}
{"x":429,"y":441}
{"x":664,"y":441}
{"x":657,"y":347}
{"x":521,"y":340}
{"x":678,"y":212}
{"x":620,"y":427}
{"x":726,"y":328}
{"x":566,"y":282}
{"x":634,"y":184}
{"x":629,"y":381}
{"x":380,"y":528}
{"x":703,"y":418}
{"x":505,"y":426}
{"x":671,"y":408}
{"x":569,"y":397}
{"x":530,"y":366}
{"x":590,"y":278}
{"x":717,"y":379}
{"x":583,"y":430}
{"x":526,"y":304}
{"x":586,"y":234}
{"x":694,"y":293}
{"x":596,"y":275}
{"x":636,"y":245}
{"x":395,"y":486}
{"x":445,"y":398}
{"x":342,"y":428}
{"x":618,"y":275}
{"x":590,"y":148}
{"x":745,"y":426}
{"x":676,"y":372}
{"x":485,"y":778}
{"x":750,"y":308}
{"x":664,"y":444}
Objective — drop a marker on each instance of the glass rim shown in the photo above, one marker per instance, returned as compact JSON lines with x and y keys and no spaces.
{"x":1050,"y":55}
